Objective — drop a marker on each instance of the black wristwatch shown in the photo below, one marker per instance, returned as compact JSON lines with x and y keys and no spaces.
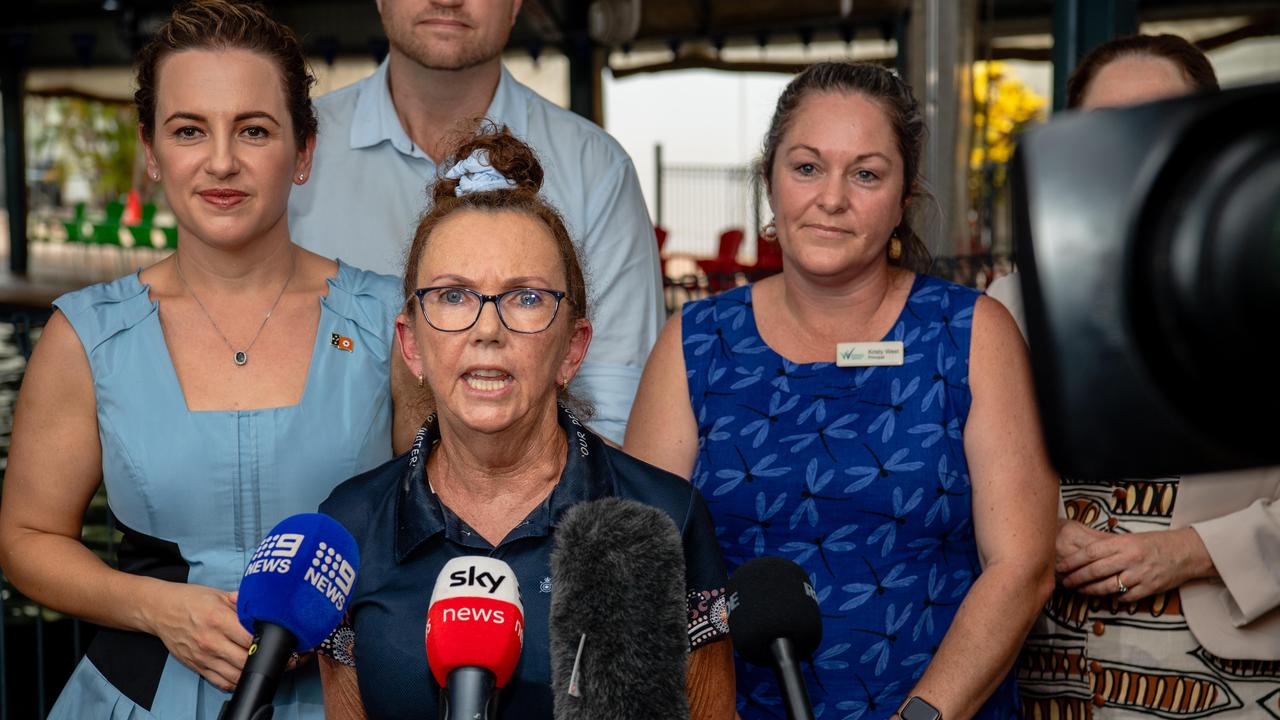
{"x":915,"y":708}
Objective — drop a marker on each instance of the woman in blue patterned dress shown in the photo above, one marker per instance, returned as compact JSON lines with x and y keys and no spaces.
{"x":214,"y":393}
{"x":905,"y":473}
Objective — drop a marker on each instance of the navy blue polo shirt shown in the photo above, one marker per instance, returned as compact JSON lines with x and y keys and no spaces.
{"x":406,"y":535}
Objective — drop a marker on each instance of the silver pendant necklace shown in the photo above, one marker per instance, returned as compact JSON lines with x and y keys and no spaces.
{"x":239,"y":357}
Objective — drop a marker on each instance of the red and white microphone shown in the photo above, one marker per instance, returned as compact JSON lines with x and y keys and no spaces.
{"x":475,"y":631}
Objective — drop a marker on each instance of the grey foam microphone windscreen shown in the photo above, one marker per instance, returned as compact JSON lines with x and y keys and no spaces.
{"x":619,"y":618}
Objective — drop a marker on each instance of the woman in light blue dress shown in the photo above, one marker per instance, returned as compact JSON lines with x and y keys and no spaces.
{"x":215,"y":393}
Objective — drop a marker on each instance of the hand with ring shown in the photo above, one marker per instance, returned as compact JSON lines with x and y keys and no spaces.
{"x":1151,"y":562}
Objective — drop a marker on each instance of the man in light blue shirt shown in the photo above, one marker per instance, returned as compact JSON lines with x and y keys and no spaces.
{"x":382,"y":138}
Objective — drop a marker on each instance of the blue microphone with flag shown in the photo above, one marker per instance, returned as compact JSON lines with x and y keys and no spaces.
{"x":293,"y":594}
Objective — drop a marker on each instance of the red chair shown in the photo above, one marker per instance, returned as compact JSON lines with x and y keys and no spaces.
{"x":768,"y":255}
{"x":722,"y":270}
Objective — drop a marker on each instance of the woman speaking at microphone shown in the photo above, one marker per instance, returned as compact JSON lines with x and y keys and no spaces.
{"x":495,"y":325}
{"x":222,"y":389}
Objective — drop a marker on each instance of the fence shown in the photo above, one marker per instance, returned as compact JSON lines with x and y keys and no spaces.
{"x":697,"y":202}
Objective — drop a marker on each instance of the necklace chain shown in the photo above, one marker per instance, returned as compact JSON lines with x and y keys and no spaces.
{"x":239,"y":357}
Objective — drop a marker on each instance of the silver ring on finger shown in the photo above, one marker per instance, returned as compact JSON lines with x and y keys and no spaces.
{"x":1121,"y":588}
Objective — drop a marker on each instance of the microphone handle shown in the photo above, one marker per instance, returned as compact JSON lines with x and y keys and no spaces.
{"x":262,"y":670}
{"x":469,"y":694}
{"x":787,"y":669}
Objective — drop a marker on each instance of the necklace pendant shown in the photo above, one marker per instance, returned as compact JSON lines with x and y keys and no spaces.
{"x":241,"y":357}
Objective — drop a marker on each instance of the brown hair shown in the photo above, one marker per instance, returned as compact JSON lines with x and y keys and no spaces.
{"x":222,"y":25}
{"x":517,"y":162}
{"x":1195,"y":67}
{"x":892,"y":94}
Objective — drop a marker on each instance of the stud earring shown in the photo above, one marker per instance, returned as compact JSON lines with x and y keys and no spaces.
{"x":770,"y":230}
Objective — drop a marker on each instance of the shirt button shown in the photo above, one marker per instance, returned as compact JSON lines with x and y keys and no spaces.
{"x":1099,"y":700}
{"x":1112,"y":522}
{"x":1095,"y":666}
{"x":1099,"y":628}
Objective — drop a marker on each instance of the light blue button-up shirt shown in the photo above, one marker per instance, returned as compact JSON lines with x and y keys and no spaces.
{"x":368,"y":189}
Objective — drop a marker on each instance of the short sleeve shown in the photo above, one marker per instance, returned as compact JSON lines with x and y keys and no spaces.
{"x":340,"y":646}
{"x":705,"y":578}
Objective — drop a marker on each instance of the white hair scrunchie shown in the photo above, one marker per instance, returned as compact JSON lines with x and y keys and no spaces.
{"x":475,"y":174}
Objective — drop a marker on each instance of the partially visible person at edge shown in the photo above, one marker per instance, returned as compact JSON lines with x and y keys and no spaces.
{"x":382,"y":140}
{"x":914,"y":490}
{"x":216,"y":392}
{"x":1169,"y":594}
{"x":492,"y":470}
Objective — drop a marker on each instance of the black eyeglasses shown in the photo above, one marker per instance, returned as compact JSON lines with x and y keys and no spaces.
{"x":450,"y":308}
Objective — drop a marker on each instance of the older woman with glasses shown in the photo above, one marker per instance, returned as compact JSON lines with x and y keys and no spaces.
{"x":493,"y":470}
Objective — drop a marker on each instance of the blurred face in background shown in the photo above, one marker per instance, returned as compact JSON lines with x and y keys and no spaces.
{"x":448,"y":34}
{"x":836,"y":185}
{"x":224,"y":144}
{"x":1133,"y":80}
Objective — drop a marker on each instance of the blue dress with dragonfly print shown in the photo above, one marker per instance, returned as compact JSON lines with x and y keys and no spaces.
{"x":858,"y":475}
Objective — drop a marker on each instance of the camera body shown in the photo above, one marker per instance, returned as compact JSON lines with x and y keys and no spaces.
{"x":1149,"y":247}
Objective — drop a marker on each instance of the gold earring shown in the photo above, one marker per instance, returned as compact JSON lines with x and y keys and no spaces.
{"x":421,"y":381}
{"x":895,"y":248}
{"x":564,"y":385}
{"x":770,"y":230}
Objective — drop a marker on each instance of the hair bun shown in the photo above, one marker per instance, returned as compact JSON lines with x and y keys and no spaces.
{"x":507,"y":154}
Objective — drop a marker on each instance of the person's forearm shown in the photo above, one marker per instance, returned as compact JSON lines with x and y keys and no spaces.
{"x":984,"y":638}
{"x":1197,"y":563}
{"x":62,"y":574}
{"x":710,"y":682}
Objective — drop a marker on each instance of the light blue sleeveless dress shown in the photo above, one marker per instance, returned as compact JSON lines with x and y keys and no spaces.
{"x":194,"y":492}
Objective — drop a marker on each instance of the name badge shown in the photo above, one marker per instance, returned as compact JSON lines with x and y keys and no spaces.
{"x":867,"y":354}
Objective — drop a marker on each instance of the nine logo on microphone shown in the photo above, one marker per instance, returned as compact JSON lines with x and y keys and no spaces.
{"x":275,"y":553}
{"x":330,"y":573}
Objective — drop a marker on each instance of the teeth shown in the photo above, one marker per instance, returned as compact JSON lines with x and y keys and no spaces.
{"x":484,"y":384}
{"x":488,"y":373}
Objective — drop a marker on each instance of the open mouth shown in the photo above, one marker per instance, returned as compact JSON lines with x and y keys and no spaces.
{"x":487,"y":380}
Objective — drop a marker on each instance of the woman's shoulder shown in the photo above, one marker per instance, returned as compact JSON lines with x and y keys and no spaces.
{"x":356,"y":502}
{"x":711,"y":309}
{"x":99,"y":311}
{"x":367,"y":298}
{"x":931,"y":288}
{"x":635,"y":479}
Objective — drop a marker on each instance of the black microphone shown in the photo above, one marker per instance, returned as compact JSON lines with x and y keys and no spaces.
{"x":291,"y":597}
{"x":619,"y":617}
{"x":774,"y":620}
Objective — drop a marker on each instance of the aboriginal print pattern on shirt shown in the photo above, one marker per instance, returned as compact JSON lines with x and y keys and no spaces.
{"x":856,"y":473}
{"x":1098,"y":658}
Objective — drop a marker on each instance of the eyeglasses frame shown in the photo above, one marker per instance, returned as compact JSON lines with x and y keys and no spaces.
{"x":559,"y":295}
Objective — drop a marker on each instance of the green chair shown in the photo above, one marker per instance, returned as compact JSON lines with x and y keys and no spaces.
{"x":148,"y":214}
{"x":170,"y":237}
{"x":73,"y":231}
{"x":115,"y":211}
{"x":107,"y":233}
{"x":141,"y":235}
